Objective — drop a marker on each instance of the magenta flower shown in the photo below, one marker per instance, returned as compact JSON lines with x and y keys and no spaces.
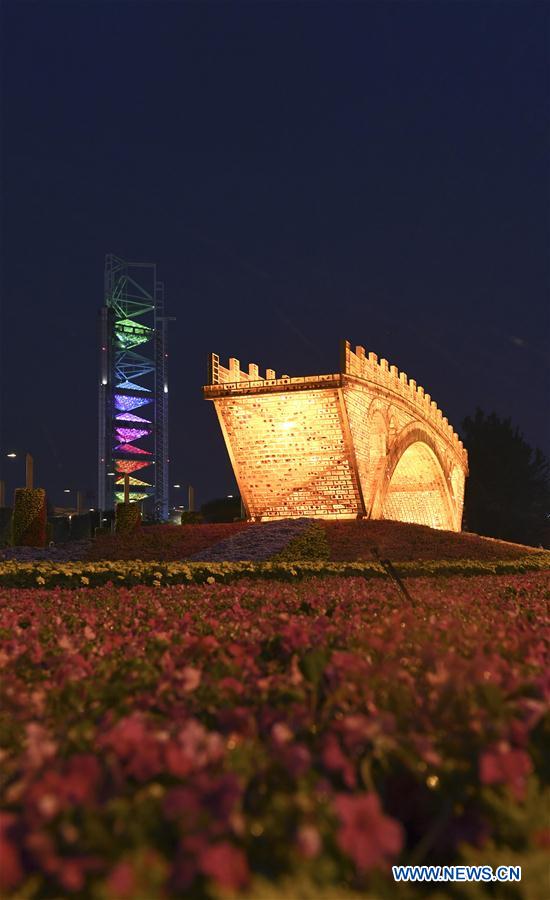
{"x":505,"y":765}
{"x":135,"y":746}
{"x":366,"y":834}
{"x":226,"y":865}
{"x":122,"y":881}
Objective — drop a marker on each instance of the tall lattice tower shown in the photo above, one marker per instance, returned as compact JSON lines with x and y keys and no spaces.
{"x":133,"y":388}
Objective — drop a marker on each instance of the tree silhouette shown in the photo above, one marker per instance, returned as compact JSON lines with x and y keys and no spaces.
{"x":508,"y":488}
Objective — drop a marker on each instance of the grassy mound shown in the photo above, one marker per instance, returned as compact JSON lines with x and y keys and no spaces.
{"x":355,"y":540}
{"x":162,"y":542}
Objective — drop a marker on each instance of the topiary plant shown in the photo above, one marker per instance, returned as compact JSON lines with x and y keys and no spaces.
{"x":128,"y":517}
{"x":29,"y":517}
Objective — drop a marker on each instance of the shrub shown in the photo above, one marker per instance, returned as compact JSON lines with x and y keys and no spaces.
{"x":191,"y":518}
{"x":223,"y":509}
{"x":29,"y":517}
{"x":128,"y":517}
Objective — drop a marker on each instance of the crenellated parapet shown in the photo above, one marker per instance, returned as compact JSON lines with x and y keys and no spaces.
{"x":368,"y":367}
{"x":232,"y":379}
{"x":364,"y":441}
{"x":233,"y":374}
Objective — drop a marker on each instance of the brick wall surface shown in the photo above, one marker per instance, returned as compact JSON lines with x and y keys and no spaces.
{"x":289,"y":454}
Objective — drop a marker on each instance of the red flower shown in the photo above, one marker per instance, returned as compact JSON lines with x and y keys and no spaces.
{"x":122,"y":881}
{"x":368,"y":836}
{"x":135,"y":746}
{"x":226,"y":864}
{"x":335,"y":761}
{"x":504,"y":765}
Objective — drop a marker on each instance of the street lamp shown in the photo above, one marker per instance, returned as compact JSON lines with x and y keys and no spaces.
{"x":79,"y":498}
{"x":29,"y":467}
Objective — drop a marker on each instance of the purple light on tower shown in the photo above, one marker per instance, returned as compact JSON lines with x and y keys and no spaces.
{"x":131,"y":434}
{"x":129,"y":417}
{"x":125,"y":404}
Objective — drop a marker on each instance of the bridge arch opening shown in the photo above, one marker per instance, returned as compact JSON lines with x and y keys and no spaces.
{"x":417,"y":491}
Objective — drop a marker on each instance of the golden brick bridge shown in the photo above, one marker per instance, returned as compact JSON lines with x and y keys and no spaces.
{"x":364,"y":442}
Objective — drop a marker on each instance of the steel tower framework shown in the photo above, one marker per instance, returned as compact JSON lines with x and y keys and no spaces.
{"x":133,"y":388}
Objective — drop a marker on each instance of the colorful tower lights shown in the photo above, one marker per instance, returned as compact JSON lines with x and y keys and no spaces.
{"x":133,"y":376}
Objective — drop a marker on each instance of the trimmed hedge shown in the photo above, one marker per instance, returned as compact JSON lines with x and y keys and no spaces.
{"x":128,"y":517}
{"x":131,"y":572}
{"x":29,"y":517}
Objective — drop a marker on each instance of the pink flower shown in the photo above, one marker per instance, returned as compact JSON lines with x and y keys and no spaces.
{"x":39,"y":746}
{"x":308,"y":841}
{"x":368,"y":836}
{"x":122,"y":881}
{"x":281,"y":734}
{"x":504,"y":765}
{"x":296,"y":759}
{"x":72,"y":874}
{"x":135,"y":746}
{"x":335,"y":761}
{"x":226,"y":865}
{"x":190,"y":678}
{"x":199,"y":745}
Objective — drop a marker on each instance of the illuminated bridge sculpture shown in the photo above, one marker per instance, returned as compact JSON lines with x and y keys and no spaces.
{"x":364,"y":442}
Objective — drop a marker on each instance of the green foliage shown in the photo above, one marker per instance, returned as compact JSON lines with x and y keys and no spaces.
{"x":29,"y":517}
{"x":133,"y":572}
{"x":128,"y":517}
{"x":508,"y":487}
{"x":310,"y":544}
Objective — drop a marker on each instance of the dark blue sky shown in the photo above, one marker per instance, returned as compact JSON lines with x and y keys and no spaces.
{"x":300,"y":173}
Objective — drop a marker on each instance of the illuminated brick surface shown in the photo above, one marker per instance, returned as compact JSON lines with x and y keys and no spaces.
{"x":362,"y":442}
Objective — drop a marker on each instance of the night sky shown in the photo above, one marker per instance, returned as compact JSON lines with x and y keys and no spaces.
{"x":300,"y":173}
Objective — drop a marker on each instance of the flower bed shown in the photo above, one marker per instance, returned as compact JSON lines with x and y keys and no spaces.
{"x":170,"y":742}
{"x":162,"y":542}
{"x":127,"y":573}
{"x":310,"y":544}
{"x":354,"y":540}
{"x":258,"y":543}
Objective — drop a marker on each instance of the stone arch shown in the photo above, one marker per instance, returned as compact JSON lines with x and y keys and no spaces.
{"x":415,"y":486}
{"x":393,"y":427}
{"x":377,"y":430}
